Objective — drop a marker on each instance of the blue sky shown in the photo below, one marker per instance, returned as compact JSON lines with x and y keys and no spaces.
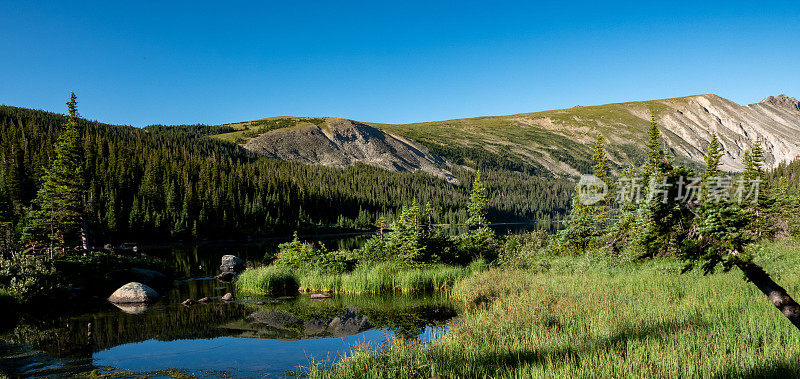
{"x":139,"y":63}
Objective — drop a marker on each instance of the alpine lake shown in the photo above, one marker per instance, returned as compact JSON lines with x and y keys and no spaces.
{"x":253,"y":336}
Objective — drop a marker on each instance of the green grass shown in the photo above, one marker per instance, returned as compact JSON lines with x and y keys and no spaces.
{"x":269,"y":280}
{"x":595,"y":318}
{"x":365,"y":279}
{"x":251,"y":129}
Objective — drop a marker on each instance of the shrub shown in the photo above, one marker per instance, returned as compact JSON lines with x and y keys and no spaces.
{"x":311,"y":256}
{"x":478,"y":243}
{"x":522,"y":250}
{"x":28,"y":275}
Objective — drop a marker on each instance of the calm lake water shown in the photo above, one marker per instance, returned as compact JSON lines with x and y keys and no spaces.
{"x":238,"y":339}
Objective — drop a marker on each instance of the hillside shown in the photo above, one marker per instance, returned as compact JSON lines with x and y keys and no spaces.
{"x":341,"y":143}
{"x":544,"y":143}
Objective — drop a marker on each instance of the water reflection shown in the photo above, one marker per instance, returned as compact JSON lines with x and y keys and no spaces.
{"x":242,"y":337}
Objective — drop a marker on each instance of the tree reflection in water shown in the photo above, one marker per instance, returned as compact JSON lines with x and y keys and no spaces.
{"x":75,"y":338}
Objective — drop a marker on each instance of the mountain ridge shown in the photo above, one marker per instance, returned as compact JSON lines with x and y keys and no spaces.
{"x":558,"y":142}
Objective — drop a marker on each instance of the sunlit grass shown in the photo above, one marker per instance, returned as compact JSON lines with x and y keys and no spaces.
{"x":365,"y":279}
{"x":591,"y":318}
{"x":268,"y":280}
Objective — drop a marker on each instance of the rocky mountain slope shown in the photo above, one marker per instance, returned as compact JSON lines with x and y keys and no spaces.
{"x":555,"y":142}
{"x":340,"y":143}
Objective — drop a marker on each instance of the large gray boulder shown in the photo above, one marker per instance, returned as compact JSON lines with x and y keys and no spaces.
{"x":134,"y":292}
{"x":232,"y":263}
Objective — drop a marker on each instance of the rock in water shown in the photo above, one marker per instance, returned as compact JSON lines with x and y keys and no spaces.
{"x":227,"y":276}
{"x":189,"y":302}
{"x":204,"y":300}
{"x":319,"y":296}
{"x":228,"y":297}
{"x":232,"y":263}
{"x":134,"y":292}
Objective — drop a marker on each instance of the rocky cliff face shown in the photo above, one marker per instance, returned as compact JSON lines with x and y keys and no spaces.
{"x":692,"y":120}
{"x":340,"y":143}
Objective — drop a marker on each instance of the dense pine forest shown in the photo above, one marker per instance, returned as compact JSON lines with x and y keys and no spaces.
{"x":174,"y":182}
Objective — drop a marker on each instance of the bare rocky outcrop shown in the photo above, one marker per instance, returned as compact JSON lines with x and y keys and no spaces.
{"x":782,"y":101}
{"x":341,"y":143}
{"x":775,"y":119}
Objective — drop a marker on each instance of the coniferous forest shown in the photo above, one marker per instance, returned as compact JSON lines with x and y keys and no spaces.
{"x":173,"y":182}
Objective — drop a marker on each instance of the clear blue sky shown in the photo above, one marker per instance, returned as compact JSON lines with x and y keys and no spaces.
{"x":140,"y":63}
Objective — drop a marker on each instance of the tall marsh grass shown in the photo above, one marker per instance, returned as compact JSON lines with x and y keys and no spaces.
{"x":269,"y":280}
{"x":587,"y":318}
{"x":364,"y":279}
{"x":385,"y":278}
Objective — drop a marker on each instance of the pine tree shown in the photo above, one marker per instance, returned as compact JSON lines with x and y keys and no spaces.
{"x":713,"y":157}
{"x":654,"y":165}
{"x":749,"y":166}
{"x":657,"y":215}
{"x":58,"y":209}
{"x":600,"y":168}
{"x":757,"y":158}
{"x":602,"y":210}
{"x":477,"y":204}
{"x":586,"y":224}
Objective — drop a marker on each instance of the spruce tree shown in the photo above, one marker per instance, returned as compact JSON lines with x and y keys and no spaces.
{"x":58,"y":209}
{"x":713,"y":157}
{"x":477,"y":204}
{"x":586,"y":224}
{"x":654,"y":165}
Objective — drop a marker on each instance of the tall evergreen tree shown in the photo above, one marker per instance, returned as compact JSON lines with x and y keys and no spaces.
{"x":586,"y":224}
{"x":477,"y":204}
{"x":654,"y":165}
{"x":57,"y":214}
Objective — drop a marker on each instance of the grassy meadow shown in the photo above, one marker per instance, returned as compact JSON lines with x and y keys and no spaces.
{"x":599,"y":317}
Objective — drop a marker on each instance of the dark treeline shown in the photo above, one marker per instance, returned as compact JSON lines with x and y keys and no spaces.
{"x":172,"y":182}
{"x":787,"y":174}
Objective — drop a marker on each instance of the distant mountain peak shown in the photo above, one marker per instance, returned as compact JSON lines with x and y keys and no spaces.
{"x":783,"y":101}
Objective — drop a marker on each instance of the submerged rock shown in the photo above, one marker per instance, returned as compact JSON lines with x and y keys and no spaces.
{"x":148,"y":276}
{"x":204,"y":300}
{"x":319,"y":296}
{"x":226,"y":276}
{"x":133,"y":292}
{"x":228,"y":297}
{"x":189,"y":302}
{"x":232,"y":263}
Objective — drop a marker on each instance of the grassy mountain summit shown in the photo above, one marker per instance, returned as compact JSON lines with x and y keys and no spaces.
{"x":557,"y":142}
